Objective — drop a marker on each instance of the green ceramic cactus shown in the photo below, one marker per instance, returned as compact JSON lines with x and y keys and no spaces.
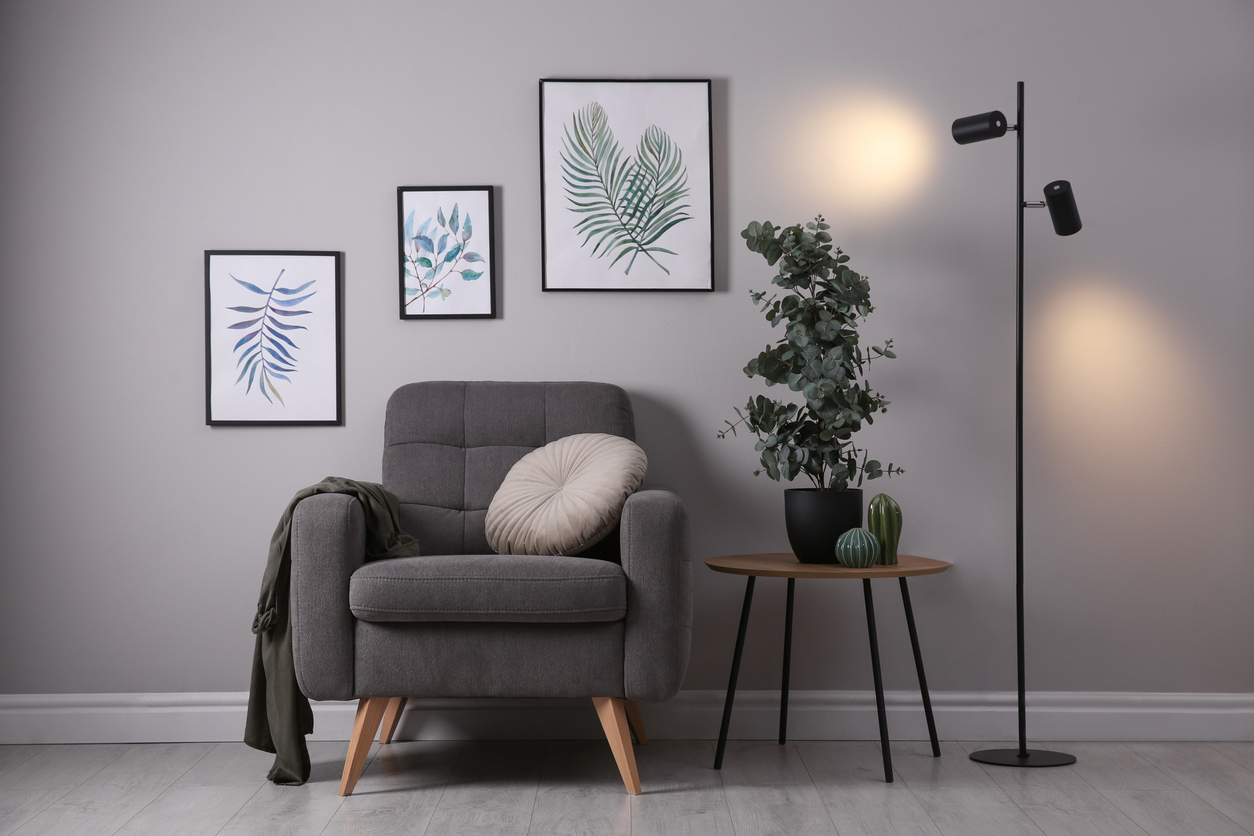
{"x":857,"y":548}
{"x":883,"y":518}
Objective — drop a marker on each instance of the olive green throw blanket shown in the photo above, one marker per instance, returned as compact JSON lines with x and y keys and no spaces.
{"x":279,"y":715}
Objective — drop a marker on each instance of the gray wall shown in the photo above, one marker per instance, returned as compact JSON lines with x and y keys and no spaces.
{"x":137,"y":134}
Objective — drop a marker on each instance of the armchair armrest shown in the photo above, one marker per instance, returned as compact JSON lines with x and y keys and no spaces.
{"x":656,"y":552}
{"x":328,"y":544}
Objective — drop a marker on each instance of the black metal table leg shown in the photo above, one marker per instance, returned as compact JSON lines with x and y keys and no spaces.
{"x":735,"y":671}
{"x":783,"y":688}
{"x":918,"y":666}
{"x":879,"y":682}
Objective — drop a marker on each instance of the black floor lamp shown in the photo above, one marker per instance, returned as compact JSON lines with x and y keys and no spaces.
{"x":1066,"y":218}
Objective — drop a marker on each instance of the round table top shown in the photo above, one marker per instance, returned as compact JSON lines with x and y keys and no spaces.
{"x":786,"y":565}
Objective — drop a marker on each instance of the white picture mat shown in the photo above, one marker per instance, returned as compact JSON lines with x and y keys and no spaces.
{"x":682,"y":110}
{"x":312,"y":393}
{"x":467,"y":297}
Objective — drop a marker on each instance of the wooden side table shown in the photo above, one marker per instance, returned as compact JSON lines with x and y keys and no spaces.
{"x":786,"y":565}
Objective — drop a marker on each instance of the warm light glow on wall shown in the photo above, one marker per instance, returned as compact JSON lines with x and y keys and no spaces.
{"x":1118,"y":387}
{"x":866,"y":153}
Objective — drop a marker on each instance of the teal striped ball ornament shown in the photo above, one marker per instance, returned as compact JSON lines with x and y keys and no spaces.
{"x":857,"y":548}
{"x":883,"y":518}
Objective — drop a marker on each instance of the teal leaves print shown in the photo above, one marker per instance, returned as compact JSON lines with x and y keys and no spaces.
{"x":625,"y":204}
{"x":266,"y":353}
{"x":434,"y":254}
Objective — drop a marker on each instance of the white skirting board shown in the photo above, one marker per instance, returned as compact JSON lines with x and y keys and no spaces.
{"x":812,"y":715}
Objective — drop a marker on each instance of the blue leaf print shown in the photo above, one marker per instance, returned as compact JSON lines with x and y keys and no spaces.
{"x":287,"y":303}
{"x":409,"y":225}
{"x":251,"y":287}
{"x":271,"y":320}
{"x":247,"y":368}
{"x":264,"y":353}
{"x":243,"y":358}
{"x":278,"y":335}
{"x":438,"y":256}
{"x":281,"y":355}
{"x":294,"y":290}
{"x":245,"y":339}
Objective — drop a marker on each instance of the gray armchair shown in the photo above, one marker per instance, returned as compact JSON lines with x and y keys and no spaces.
{"x":462,"y":621}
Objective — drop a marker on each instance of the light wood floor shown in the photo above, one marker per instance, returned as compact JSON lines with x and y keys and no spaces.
{"x":451,"y":789}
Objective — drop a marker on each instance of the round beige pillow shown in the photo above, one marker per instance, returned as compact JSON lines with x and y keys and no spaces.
{"x":565,"y":496}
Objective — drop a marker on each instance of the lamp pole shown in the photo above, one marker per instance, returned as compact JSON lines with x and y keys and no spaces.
{"x":1023,"y":714}
{"x":1066,"y":222}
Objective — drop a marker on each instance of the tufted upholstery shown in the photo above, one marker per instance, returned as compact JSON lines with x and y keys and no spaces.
{"x":449,"y":444}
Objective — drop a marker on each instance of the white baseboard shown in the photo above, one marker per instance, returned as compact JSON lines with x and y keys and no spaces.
{"x":812,"y":715}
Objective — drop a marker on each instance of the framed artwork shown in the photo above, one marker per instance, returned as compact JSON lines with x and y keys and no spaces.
{"x":625,"y":185}
{"x":447,"y":260}
{"x":273,"y":348}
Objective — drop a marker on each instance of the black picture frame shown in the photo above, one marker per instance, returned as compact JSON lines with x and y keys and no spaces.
{"x":321,"y":397}
{"x":555,"y":238}
{"x":470,"y":298}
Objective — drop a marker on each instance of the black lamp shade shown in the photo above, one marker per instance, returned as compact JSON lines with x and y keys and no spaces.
{"x":977,"y":128}
{"x":1062,"y":209}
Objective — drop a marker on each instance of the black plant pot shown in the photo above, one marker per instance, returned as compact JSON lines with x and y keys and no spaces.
{"x":816,"y":518}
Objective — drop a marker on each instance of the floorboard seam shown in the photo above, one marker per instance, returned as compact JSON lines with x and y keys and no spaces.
{"x":452,"y":770}
{"x":1238,"y":825}
{"x":123,"y":825}
{"x":1112,"y":804}
{"x":819,"y":792}
{"x":231,"y":817}
{"x":1223,"y":755}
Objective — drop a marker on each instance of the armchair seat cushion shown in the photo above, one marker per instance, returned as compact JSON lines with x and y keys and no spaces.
{"x":489,"y":587}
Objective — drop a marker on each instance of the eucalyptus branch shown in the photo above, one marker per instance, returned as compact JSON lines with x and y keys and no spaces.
{"x":819,"y":356}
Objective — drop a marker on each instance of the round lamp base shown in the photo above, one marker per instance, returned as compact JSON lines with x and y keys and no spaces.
{"x":1012,"y":757}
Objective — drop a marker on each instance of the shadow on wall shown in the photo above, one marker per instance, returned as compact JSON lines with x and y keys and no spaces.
{"x":727,"y":517}
{"x":722,"y":517}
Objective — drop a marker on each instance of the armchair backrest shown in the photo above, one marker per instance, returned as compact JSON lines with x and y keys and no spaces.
{"x":449,"y":444}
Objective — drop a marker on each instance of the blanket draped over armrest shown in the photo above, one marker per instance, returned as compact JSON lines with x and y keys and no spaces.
{"x":279,"y":715}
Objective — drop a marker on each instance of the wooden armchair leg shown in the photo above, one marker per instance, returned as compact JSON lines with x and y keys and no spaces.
{"x":636,"y":722}
{"x":369,"y":713}
{"x":391,"y":718}
{"x":613,"y":714}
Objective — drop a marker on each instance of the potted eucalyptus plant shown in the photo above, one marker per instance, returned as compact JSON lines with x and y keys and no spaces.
{"x":818,"y":356}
